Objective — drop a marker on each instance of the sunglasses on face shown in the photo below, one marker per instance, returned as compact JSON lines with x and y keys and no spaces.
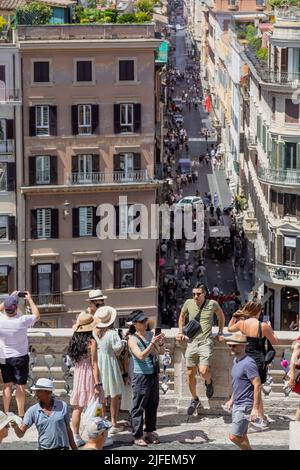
{"x":232,"y":345}
{"x":195,"y":294}
{"x":10,"y":311}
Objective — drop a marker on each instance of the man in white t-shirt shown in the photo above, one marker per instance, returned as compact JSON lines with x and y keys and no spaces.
{"x":14,"y":348}
{"x":215,"y":290}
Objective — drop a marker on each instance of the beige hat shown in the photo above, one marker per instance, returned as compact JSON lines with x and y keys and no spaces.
{"x":105,"y":316}
{"x":4,"y":420}
{"x":237,"y":338}
{"x":85,"y":322}
{"x":96,"y":294}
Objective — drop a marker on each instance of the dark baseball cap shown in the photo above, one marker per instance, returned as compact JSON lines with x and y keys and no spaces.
{"x":137,"y":315}
{"x":11,"y":302}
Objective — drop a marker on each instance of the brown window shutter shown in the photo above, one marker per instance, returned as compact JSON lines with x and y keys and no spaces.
{"x":11,"y":279}
{"x":284,"y":60}
{"x":34,"y":279}
{"x":96,"y":219}
{"x":54,"y":223}
{"x":137,"y":161}
{"x":274,"y":202}
{"x":74,"y":119}
{"x":117,"y":124}
{"x":33,"y":224}
{"x":117,"y":162}
{"x":280,"y":205}
{"x":298,"y":251}
{"x":138,"y":273}
{"x":95,"y":118}
{"x":11,"y":227}
{"x":279,"y":242}
{"x":75,"y":164}
{"x":137,"y":117}
{"x":32,"y":170}
{"x":76,"y":277}
{"x":55,"y":278}
{"x":291,"y":112}
{"x":95,"y":163}
{"x":117,"y":275}
{"x":117,"y":214}
{"x":97,"y":275}
{"x":53,"y":120}
{"x":75,"y":222}
{"x":32,"y":128}
{"x":11,"y":176}
{"x":53,"y":169}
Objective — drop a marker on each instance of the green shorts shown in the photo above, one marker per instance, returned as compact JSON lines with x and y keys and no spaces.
{"x":199,"y":352}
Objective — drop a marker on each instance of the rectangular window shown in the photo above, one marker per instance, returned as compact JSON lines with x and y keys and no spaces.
{"x":42,"y":169}
{"x":41,"y":72}
{"x":3,"y":279}
{"x":84,"y":71}
{"x":291,"y":112}
{"x":289,"y":251}
{"x":127,"y":273}
{"x":290,"y":204}
{"x":126,"y":70}
{"x":44,"y":280}
{"x":86,"y":275}
{"x":86,"y":221}
{"x":3,"y":227}
{"x":3,"y":176}
{"x":290,"y":161}
{"x":126,"y":117}
{"x":84,"y":119}
{"x":43,"y":217}
{"x":85,"y":168}
{"x":42,"y":120}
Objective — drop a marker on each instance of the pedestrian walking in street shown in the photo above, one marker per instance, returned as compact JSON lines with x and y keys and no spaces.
{"x":245,"y":400}
{"x":200,"y":347}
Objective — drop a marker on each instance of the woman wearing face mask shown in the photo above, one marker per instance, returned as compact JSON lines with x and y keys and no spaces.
{"x":144,"y":347}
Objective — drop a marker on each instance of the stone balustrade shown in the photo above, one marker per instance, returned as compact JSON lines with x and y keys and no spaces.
{"x":53,"y":343}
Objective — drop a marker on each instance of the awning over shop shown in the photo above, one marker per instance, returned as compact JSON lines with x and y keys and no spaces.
{"x":162,"y":53}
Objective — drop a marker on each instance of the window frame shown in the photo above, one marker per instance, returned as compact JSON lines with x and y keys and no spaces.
{"x":292,"y":158}
{"x":4,"y":189}
{"x":43,"y":227}
{"x":81,"y":288}
{"x":126,"y":82}
{"x":37,"y":158}
{"x":5,"y":276}
{"x":33,"y":82}
{"x":86,"y":222}
{"x":133,"y":272}
{"x":42,"y":115}
{"x":127,"y":124}
{"x":82,"y":83}
{"x":6,"y":239}
{"x":85,"y":126}
{"x":290,"y":123}
{"x":38,"y":279}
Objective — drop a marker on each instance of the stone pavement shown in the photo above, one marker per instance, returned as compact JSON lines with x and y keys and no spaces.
{"x":200,"y":433}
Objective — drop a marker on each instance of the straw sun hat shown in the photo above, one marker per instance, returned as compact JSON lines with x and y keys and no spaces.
{"x":85,"y":322}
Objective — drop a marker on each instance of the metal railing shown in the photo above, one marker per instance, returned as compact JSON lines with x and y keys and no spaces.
{"x":8,"y":95}
{"x":279,"y":176}
{"x":7,"y":146}
{"x":48,"y":300}
{"x":108,"y":178}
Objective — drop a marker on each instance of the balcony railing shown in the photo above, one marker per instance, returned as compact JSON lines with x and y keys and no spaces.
{"x":7,"y":146}
{"x":272,"y":76}
{"x":8,"y":95}
{"x":109,"y":178}
{"x":48,"y":300}
{"x":278,"y":273}
{"x":279,"y":176}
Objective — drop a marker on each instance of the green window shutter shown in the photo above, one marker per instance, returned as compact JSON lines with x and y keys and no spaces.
{"x":298,"y":156}
{"x":280,"y":155}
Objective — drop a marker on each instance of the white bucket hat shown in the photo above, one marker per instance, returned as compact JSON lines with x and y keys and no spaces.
{"x":96,"y":294}
{"x":105,"y":316}
{"x":4,"y":420}
{"x":43,"y":384}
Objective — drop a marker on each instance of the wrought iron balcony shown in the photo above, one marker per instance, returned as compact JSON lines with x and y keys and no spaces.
{"x":9,"y":95}
{"x":288,"y":177}
{"x":49,"y":300}
{"x":116,"y":177}
{"x":7,"y":146}
{"x":278,"y":274}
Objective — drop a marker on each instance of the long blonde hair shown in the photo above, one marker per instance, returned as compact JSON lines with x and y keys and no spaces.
{"x":250,"y":310}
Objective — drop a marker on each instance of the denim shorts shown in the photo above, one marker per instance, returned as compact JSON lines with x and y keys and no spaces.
{"x":240,"y":423}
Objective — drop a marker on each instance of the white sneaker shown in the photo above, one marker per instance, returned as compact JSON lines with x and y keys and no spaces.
{"x":108,"y":442}
{"x":79,"y":441}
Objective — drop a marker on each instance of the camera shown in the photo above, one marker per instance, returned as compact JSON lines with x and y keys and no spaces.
{"x":22,"y":294}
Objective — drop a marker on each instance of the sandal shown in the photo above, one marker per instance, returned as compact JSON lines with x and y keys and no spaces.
{"x":152,"y":438}
{"x":140,"y":442}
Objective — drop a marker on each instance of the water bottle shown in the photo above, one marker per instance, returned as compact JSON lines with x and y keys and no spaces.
{"x":98,"y":411}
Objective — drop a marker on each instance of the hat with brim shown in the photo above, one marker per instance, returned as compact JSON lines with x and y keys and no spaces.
{"x":105,"y":316}
{"x":4,"y":420}
{"x":85,"y":322}
{"x":137,"y":316}
{"x":96,"y":294}
{"x":43,"y":384}
{"x":236,"y":339}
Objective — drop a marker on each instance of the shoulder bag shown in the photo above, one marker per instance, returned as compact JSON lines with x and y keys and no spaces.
{"x":193,"y":327}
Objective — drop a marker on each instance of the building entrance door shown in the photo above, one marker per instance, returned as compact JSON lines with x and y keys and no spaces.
{"x":289,"y":307}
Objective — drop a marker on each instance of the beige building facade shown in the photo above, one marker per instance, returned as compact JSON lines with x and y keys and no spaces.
{"x":89,"y":137}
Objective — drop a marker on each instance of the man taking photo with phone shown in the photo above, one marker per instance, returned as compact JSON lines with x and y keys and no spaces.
{"x":200,"y":347}
{"x":14,"y":347}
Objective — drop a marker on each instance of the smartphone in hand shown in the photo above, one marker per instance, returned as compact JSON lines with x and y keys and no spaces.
{"x":157,"y":331}
{"x":22,"y":294}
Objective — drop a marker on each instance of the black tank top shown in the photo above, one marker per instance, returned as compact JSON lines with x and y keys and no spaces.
{"x":256,"y":346}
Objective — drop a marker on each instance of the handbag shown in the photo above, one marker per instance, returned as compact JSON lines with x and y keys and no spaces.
{"x":268,"y":355}
{"x":192,"y":328}
{"x":154,"y":359}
